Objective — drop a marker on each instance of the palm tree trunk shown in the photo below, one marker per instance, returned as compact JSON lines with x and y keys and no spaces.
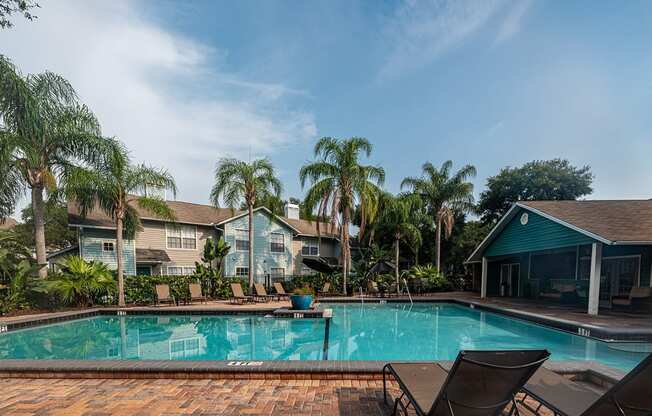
{"x":39,"y":229}
{"x":251,"y":247}
{"x":345,"y":248}
{"x":118,"y":254}
{"x":438,"y":243}
{"x":396,"y":253}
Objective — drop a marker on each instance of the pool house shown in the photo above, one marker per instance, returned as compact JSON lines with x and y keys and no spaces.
{"x":591,"y":254}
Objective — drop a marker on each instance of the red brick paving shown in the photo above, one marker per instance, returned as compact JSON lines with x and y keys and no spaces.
{"x":95,"y":397}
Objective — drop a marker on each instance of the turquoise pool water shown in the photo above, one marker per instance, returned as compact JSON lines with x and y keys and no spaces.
{"x":356,"y":332}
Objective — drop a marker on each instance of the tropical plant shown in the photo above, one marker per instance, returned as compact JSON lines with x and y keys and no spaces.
{"x":397,"y":221}
{"x":434,"y":279}
{"x":80,"y":282}
{"x":338,"y":183}
{"x":213,"y":255}
{"x":117,"y":188}
{"x":44,"y":133}
{"x":443,"y":194}
{"x":238,"y":181}
{"x":18,"y":273}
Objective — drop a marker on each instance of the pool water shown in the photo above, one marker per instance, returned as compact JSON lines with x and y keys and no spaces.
{"x":394,"y":331}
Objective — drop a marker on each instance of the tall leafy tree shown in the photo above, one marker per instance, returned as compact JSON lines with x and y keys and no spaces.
{"x":44,"y":132}
{"x":338,"y":183}
{"x":58,"y":234}
{"x":237,"y":181}
{"x":116,"y":188}
{"x":554,"y":179}
{"x":9,"y":7}
{"x":444,"y":193}
{"x":397,"y":221}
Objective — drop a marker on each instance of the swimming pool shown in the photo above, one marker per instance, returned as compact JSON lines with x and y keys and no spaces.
{"x":393,"y":331}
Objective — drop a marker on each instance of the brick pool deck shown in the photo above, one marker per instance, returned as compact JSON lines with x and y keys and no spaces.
{"x":196,"y":397}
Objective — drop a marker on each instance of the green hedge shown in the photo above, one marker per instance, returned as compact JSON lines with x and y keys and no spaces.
{"x":141,"y":290}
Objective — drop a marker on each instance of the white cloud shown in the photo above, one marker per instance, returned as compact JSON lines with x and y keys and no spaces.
{"x":156,"y":90}
{"x":513,"y":21}
{"x":419,"y":31}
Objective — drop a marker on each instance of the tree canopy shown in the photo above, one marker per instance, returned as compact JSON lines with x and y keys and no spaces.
{"x":554,"y":179}
{"x":9,"y":7}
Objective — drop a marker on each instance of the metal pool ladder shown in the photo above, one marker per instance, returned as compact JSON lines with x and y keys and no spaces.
{"x":407,"y":289}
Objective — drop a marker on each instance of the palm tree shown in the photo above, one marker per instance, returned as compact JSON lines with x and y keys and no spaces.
{"x":80,"y":282}
{"x":238,"y":181}
{"x":444,"y":195}
{"x":113,"y":188}
{"x":44,"y":131}
{"x":397,"y":220}
{"x":338,"y":182}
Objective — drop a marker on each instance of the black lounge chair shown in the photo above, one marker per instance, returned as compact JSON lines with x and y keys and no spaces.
{"x":480,"y":383}
{"x":631,"y":396}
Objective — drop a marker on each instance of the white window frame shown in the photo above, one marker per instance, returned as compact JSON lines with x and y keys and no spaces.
{"x":235,"y":239}
{"x":271,"y":242}
{"x":180,"y":227}
{"x":272,"y":275}
{"x":308,"y":243}
{"x":242,"y":268}
{"x":185,"y":270}
{"x":108,"y":242}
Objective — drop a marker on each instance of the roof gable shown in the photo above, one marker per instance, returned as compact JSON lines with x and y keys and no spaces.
{"x":529,"y":231}
{"x":618,"y":222}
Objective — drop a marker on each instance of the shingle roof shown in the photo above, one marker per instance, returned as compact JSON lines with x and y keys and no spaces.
{"x":185,"y":213}
{"x":608,"y":221}
{"x":191,"y":213}
{"x":306,"y":227}
{"x":150,"y":255}
{"x":616,"y":221}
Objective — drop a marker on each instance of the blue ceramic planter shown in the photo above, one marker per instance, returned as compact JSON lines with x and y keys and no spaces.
{"x":301,"y":302}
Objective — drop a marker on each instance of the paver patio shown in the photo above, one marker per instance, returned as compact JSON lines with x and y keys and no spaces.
{"x":193,"y":397}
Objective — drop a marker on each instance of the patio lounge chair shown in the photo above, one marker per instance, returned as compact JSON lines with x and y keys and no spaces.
{"x":372,"y":288}
{"x":196,"y":293}
{"x":639,"y":298}
{"x":261,"y":293}
{"x":479,"y":383}
{"x":238,"y":295}
{"x":326,"y":289}
{"x":280,"y":291}
{"x":163,"y":295}
{"x":629,"y":397}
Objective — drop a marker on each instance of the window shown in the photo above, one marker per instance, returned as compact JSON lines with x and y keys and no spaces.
{"x":277,"y":243}
{"x":276,"y":272}
{"x":180,"y":270}
{"x":108,"y":246}
{"x":242,"y":271}
{"x":310,"y":248}
{"x":307,"y":271}
{"x":241,"y":240}
{"x":182,"y":236}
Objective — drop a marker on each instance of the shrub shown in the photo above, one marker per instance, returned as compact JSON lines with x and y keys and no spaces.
{"x":81,"y":283}
{"x":306,"y":290}
{"x":432,"y":279}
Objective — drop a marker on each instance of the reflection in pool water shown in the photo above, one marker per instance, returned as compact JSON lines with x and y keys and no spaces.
{"x":423,"y":331}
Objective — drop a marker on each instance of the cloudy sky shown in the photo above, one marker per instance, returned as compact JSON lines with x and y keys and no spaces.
{"x":491,"y":83}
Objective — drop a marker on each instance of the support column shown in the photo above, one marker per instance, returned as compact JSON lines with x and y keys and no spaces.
{"x":594,"y":279}
{"x":483,"y":287}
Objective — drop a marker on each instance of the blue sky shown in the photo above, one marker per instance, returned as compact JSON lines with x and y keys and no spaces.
{"x":491,"y":83}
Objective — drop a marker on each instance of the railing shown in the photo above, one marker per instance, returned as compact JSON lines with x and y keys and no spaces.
{"x":407,"y":289}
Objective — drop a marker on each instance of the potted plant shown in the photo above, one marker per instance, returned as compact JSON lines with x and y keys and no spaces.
{"x":301,"y":298}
